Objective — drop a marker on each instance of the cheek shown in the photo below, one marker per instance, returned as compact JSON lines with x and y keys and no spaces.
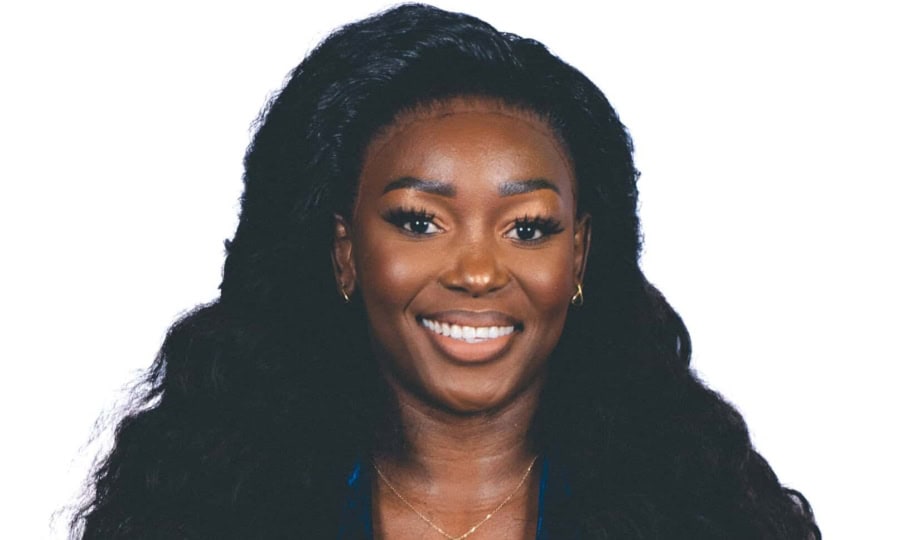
{"x":388,"y":272}
{"x":548,"y":280}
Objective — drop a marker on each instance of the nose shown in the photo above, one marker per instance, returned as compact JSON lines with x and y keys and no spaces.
{"x":475,"y":270}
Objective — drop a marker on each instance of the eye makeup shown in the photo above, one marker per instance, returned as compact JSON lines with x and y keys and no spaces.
{"x":415,"y":221}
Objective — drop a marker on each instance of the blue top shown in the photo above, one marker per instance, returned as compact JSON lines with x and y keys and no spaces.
{"x":357,"y":515}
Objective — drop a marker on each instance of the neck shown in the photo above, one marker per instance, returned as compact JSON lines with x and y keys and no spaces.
{"x":457,"y":468}
{"x":429,"y":444}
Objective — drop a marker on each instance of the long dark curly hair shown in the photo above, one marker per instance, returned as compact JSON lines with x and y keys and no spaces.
{"x":259,"y":402}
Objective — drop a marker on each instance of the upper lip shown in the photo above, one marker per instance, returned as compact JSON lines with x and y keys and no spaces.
{"x":473,"y":318}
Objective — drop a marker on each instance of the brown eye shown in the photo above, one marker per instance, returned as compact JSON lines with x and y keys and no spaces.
{"x":415,"y":222}
{"x":531,"y":230}
{"x":527,"y":232}
{"x":420,"y":226}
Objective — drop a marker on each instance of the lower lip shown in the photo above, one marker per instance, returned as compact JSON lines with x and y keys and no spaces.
{"x":471,"y":353}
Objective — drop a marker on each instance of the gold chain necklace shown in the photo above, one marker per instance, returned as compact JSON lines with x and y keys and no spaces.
{"x":477,"y":525}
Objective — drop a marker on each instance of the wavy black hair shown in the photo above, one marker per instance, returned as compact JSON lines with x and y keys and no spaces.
{"x":259,"y":402}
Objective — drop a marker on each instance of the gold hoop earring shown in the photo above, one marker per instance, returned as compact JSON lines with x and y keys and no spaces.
{"x":578,"y":299}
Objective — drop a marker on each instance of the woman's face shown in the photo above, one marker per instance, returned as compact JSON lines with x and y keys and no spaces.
{"x":465,"y":247}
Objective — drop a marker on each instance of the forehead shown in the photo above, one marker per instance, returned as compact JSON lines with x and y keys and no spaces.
{"x":462,"y":133}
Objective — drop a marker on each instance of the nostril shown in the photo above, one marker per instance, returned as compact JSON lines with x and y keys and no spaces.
{"x":477,"y":272}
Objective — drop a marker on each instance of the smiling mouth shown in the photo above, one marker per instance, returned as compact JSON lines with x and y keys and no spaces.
{"x":467,"y":334}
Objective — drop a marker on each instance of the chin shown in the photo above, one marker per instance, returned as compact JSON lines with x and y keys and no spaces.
{"x":473,"y":401}
{"x":471,"y":406}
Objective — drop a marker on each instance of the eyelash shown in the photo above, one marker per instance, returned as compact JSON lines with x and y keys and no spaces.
{"x":406,"y":219}
{"x":545,"y":225}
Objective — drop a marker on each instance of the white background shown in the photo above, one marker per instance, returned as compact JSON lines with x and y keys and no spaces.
{"x":772,"y":138}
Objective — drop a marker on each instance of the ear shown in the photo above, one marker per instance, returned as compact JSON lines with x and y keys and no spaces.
{"x":582,"y":242}
{"x":343,"y":257}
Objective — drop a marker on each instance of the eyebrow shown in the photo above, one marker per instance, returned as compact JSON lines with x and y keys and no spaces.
{"x":508,"y":189}
{"x":435,"y":187}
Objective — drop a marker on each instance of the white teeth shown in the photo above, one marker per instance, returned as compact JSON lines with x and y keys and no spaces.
{"x":470,"y":334}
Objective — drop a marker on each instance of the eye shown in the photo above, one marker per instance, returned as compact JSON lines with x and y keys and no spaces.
{"x":532,"y":230}
{"x":420,"y":226}
{"x":413,"y":221}
{"x":526,"y":231}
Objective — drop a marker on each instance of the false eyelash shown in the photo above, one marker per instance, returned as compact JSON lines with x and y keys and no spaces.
{"x":400,"y":215}
{"x":547,"y":225}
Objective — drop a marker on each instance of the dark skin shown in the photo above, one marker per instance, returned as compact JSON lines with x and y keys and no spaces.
{"x":465,"y":246}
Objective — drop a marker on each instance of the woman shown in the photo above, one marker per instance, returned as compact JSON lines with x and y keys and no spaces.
{"x":490,"y":363}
